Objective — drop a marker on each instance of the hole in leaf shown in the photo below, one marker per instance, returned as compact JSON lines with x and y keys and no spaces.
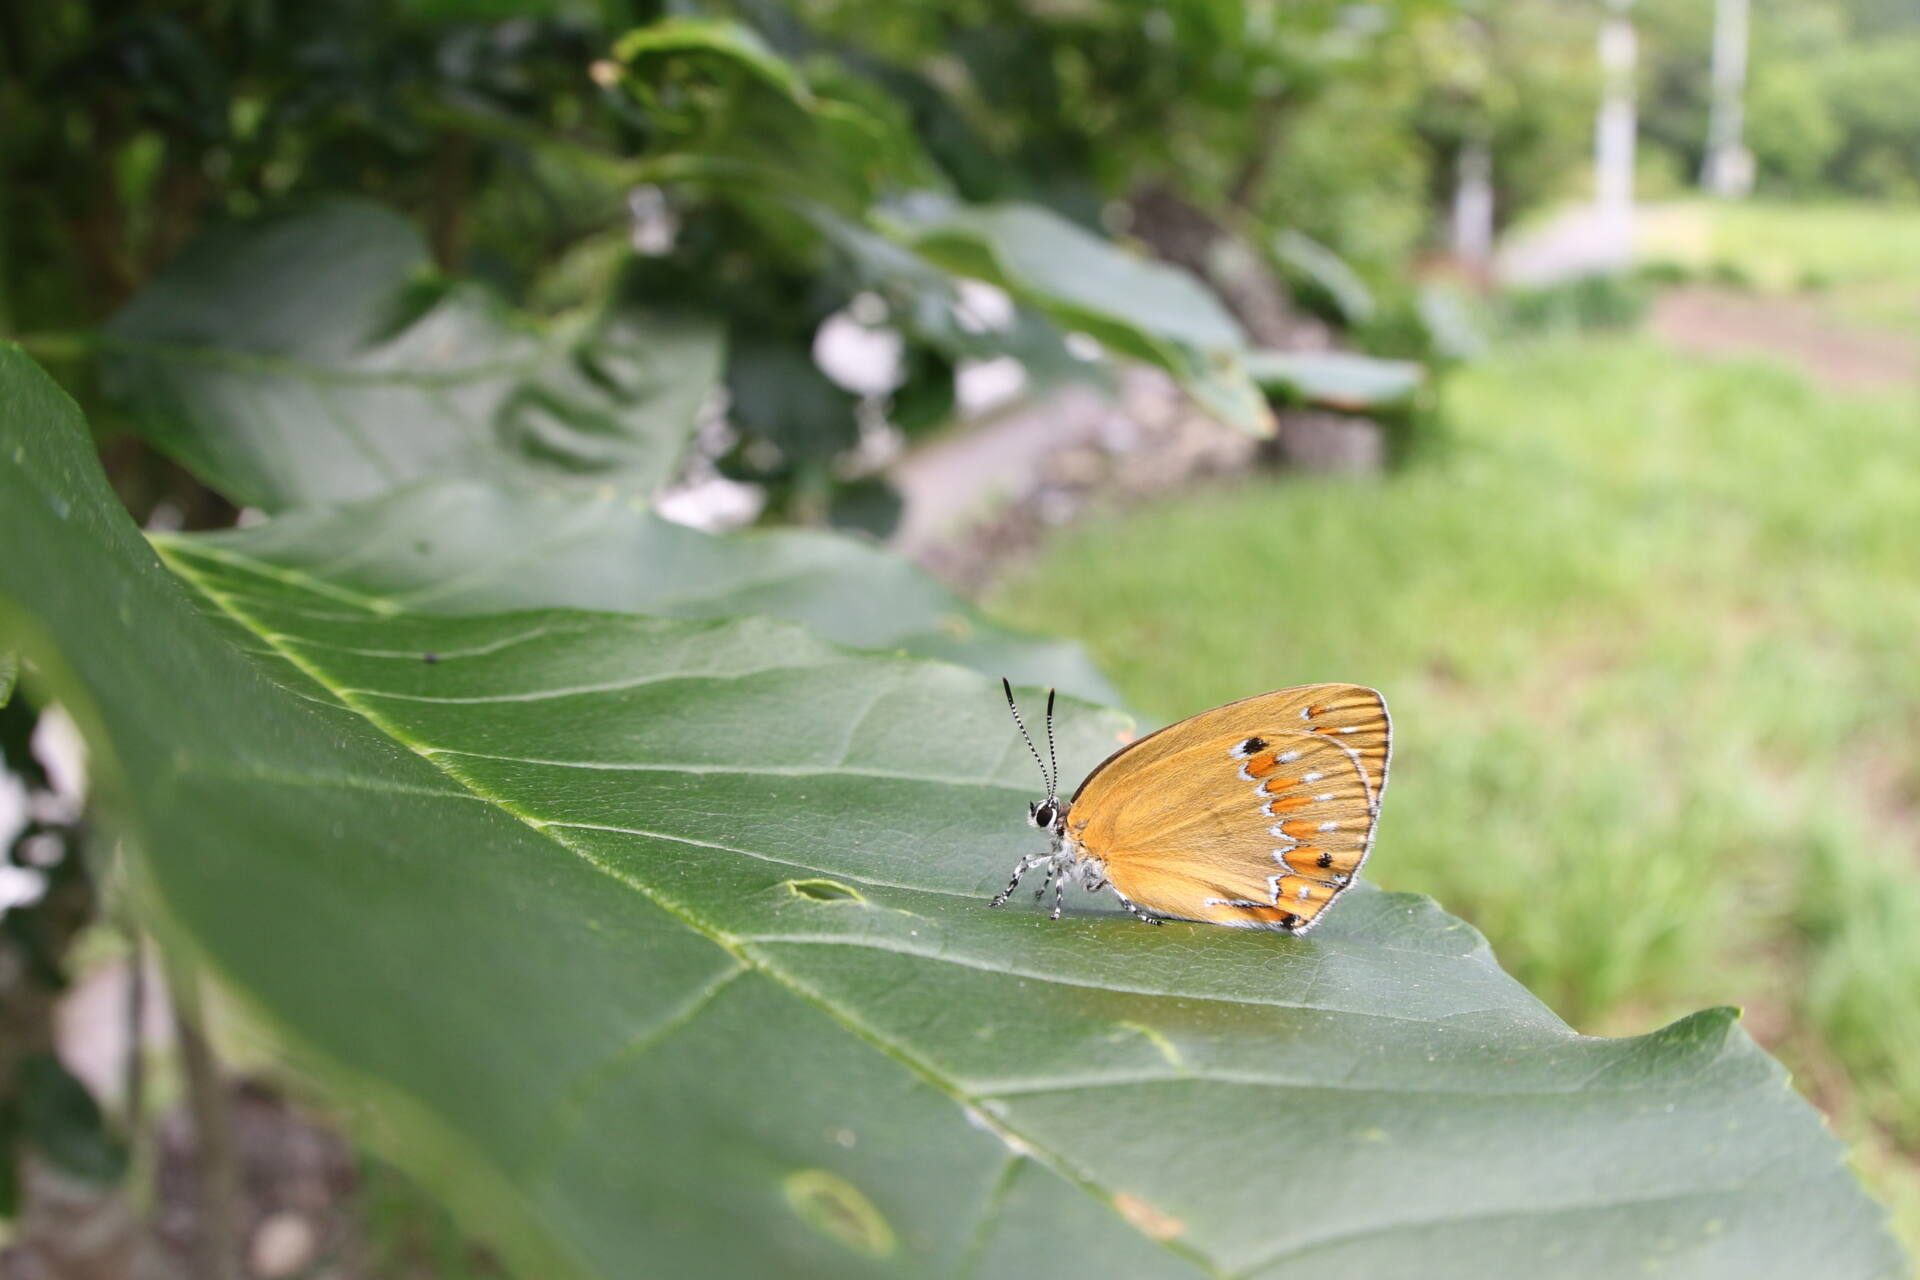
{"x":824,"y":891}
{"x":839,"y":1211}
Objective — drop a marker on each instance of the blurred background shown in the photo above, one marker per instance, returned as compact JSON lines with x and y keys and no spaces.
{"x":1569,"y":398}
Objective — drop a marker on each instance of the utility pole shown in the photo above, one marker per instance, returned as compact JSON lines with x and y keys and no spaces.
{"x":1473,"y":205}
{"x":1728,"y":171}
{"x":1614,"y":135}
{"x":1472,"y":220}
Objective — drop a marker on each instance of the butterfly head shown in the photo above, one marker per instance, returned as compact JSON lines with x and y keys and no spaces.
{"x":1050,"y":814}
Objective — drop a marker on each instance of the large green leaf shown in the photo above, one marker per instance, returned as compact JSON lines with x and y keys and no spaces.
{"x":1323,"y":269}
{"x":660,"y":947}
{"x":1147,"y":310}
{"x":463,"y":546}
{"x":309,"y":356}
{"x":727,"y":110}
{"x":1345,"y":380}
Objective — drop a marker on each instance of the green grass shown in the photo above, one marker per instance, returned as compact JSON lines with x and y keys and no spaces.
{"x":1862,"y":261}
{"x":1648,"y":629}
{"x":1783,"y":246}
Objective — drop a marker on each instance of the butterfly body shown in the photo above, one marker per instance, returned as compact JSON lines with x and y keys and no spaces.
{"x":1257,"y":814}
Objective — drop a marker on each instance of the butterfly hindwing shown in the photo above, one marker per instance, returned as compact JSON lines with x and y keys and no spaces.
{"x":1259,"y":819}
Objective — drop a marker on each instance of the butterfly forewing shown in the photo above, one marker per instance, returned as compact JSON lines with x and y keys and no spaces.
{"x":1258,"y":818}
{"x":1353,"y":714}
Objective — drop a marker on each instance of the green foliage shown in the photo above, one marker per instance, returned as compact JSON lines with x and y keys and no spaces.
{"x":277,"y":357}
{"x":1144,"y":310}
{"x":1606,"y":301}
{"x":641,"y":921}
{"x":801,"y":167}
{"x":1524,"y":83}
{"x":1324,"y":278}
{"x":1355,"y":178}
{"x":695,"y":966}
{"x":515,"y":147}
{"x":62,"y":1124}
{"x":186,"y":112}
{"x":1828,"y":105}
{"x":1337,"y":380}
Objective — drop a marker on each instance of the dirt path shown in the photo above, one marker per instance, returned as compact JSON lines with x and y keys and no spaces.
{"x":1722,"y":322}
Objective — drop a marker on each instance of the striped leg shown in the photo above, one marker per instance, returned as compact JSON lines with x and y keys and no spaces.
{"x":1135,"y":909}
{"x":1026,"y":864}
{"x":1041,"y":892}
{"x":1059,"y":896}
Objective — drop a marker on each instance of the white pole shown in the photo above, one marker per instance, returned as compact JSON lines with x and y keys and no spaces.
{"x":1473,"y":205}
{"x":1728,"y":171}
{"x":1614,"y":135}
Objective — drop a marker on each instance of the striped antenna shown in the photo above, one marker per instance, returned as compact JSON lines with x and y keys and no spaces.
{"x":1015,"y":708}
{"x":1053,"y":784}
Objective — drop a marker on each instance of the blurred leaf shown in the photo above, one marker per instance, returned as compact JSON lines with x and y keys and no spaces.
{"x":9,"y":1159}
{"x":732,"y":112}
{"x":1146,"y":310}
{"x":61,"y":1121}
{"x":928,"y":392}
{"x":1341,"y":380}
{"x":452,"y":547}
{"x":1327,"y":271}
{"x":720,"y":42}
{"x":776,"y":392}
{"x":869,"y":505}
{"x":307,"y":357}
{"x":9,"y":675}
{"x":1448,"y":317}
{"x":924,"y":302}
{"x":664,"y":940}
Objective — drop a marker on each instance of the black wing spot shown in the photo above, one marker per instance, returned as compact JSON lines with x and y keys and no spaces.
{"x":1324,"y":860}
{"x":1252,"y":745}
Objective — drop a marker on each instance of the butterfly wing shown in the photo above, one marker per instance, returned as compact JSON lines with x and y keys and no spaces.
{"x":1219,"y":819}
{"x":1354,"y":714}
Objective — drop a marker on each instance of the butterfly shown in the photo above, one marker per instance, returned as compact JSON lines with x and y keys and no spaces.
{"x":1257,"y":814}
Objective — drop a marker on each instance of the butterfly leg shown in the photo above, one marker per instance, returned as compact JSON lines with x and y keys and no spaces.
{"x":1135,"y":909}
{"x":1026,"y":864}
{"x":1041,"y":892}
{"x":1059,"y":896}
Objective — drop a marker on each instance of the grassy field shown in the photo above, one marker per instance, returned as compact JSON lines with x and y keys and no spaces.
{"x":1648,"y":626}
{"x":1862,"y":261}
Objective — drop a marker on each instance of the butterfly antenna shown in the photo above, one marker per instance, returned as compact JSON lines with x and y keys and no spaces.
{"x":1015,"y":708}
{"x":1053,"y":784}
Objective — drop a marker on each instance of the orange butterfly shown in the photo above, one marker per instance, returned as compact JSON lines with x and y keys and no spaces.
{"x":1257,"y":814}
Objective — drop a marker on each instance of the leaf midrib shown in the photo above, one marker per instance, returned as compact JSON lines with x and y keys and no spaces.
{"x":738,"y":949}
